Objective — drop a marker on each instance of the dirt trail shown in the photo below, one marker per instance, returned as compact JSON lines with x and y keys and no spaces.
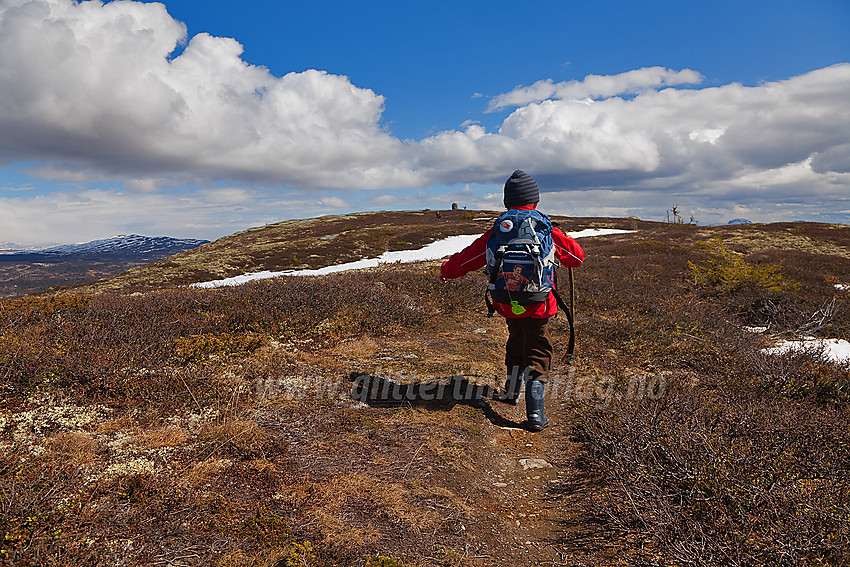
{"x":537,"y":477}
{"x":525,"y":488}
{"x":528,"y":485}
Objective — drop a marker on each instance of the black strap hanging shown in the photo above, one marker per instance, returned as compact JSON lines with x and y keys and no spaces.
{"x":568,"y":356}
{"x":568,"y":310}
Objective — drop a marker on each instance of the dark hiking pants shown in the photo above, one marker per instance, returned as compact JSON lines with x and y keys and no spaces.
{"x":529,"y":345}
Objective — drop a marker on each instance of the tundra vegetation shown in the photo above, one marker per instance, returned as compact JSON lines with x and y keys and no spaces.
{"x":181,"y":426}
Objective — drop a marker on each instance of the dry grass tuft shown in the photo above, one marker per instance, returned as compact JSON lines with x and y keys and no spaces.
{"x":78,"y":447}
{"x":160,"y":437}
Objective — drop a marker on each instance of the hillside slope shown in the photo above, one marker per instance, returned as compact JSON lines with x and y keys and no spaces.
{"x":318,"y":242}
{"x":334,"y":420}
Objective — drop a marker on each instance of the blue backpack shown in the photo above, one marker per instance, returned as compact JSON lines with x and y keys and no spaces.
{"x":521,"y":260}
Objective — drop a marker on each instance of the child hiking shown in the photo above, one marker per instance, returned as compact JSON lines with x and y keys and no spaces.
{"x":520,"y":254}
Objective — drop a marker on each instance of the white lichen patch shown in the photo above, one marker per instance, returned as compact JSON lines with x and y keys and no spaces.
{"x":139,"y":465}
{"x":29,"y":428}
{"x":121,"y":453}
{"x":120,"y":444}
{"x":194,"y":421}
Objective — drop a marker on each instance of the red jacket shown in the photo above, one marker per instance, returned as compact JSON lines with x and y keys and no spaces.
{"x":473,"y":257}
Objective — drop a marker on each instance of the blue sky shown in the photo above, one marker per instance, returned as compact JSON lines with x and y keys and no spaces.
{"x":203,"y":118}
{"x":430,"y":58}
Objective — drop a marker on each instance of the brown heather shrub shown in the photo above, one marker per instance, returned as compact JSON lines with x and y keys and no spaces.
{"x":726,"y":480}
{"x":798,"y":300}
{"x":352,"y":303}
{"x":100,"y":338}
{"x":122,"y":347}
{"x":799,"y":375}
{"x":201,"y":348}
{"x":40,"y":516}
{"x":165,"y":354}
{"x":743,"y":461}
{"x":421,"y":283}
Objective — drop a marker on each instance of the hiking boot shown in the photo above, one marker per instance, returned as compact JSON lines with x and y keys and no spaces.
{"x":513,"y":384}
{"x":534,"y":394}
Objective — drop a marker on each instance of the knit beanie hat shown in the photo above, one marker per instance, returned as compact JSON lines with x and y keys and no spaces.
{"x":521,"y":189}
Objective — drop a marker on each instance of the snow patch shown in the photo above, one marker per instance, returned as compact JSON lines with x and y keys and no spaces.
{"x":597,"y":232}
{"x":434,"y":251}
{"x":842,"y":287}
{"x":836,"y":350}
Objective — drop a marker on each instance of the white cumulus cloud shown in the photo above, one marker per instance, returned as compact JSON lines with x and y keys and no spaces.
{"x":719,"y":137}
{"x":597,"y":86}
{"x":92,"y":86}
{"x":81,"y":215}
{"x":94,"y":93}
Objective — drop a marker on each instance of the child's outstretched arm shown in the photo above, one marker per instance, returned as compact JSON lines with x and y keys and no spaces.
{"x":569,"y":252}
{"x":470,"y":258}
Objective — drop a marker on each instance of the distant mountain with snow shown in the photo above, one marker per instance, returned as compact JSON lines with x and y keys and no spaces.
{"x":15,"y":248}
{"x":740,"y":221}
{"x":125,"y":246}
{"x":25,"y":269}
